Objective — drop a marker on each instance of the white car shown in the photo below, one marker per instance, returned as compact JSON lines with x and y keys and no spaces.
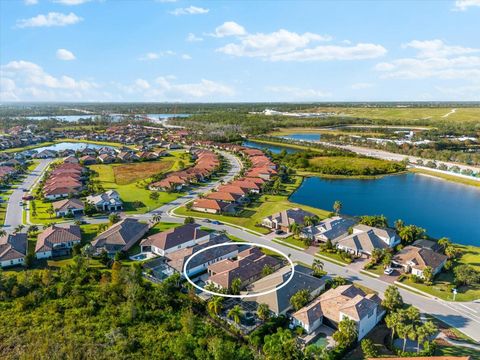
{"x":388,"y":271}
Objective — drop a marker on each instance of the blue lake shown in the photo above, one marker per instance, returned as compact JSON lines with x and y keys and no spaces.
{"x":71,"y":145}
{"x":442,"y":208}
{"x":302,"y":137}
{"x":273,"y":148}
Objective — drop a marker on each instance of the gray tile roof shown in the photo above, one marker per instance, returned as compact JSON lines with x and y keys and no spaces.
{"x":171,"y":238}
{"x":13,"y":246}
{"x":121,"y":236}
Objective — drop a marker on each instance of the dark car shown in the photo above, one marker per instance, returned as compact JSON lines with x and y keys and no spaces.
{"x":27,"y":197}
{"x":278,"y":232}
{"x":215,"y":222}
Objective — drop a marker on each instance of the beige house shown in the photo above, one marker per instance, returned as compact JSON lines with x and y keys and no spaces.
{"x":415,"y":259}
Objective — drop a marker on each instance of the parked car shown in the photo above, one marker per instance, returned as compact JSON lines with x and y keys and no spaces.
{"x":215,"y":222}
{"x":27,"y":197}
{"x":278,"y":232}
{"x":388,"y":271}
{"x":20,"y":203}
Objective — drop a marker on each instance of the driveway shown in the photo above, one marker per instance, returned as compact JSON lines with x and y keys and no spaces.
{"x":13,"y":217}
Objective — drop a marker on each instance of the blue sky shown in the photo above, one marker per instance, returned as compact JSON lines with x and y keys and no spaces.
{"x":165,"y":50}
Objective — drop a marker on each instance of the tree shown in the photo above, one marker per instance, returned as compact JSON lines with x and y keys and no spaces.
{"x":410,"y":233}
{"x":295,"y":229}
{"x":116,"y":272}
{"x":281,"y":345}
{"x":425,"y":331}
{"x":156,"y":218}
{"x":399,"y":224}
{"x":215,"y":304}
{"x":428,"y":275}
{"x":392,"y":299}
{"x":50,"y":211}
{"x":368,"y":348}
{"x":113,"y":218}
{"x":263,"y":311}
{"x":189,"y":220}
{"x":236,"y":286}
{"x":154,"y":195}
{"x":337,"y":206}
{"x":267,"y":270}
{"x":19,"y":228}
{"x":452,"y":252}
{"x":317,"y":267}
{"x":377,"y":254}
{"x":300,"y":299}
{"x":235,"y":313}
{"x":2,"y":233}
{"x":32,"y":229}
{"x":466,"y":275}
{"x":391,"y":321}
{"x":387,"y":259}
{"x":347,"y":333}
{"x":444,"y":242}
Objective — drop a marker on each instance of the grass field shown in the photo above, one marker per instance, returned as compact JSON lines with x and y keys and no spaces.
{"x":290,"y":131}
{"x":410,"y":113}
{"x":128,"y":173}
{"x":254,"y":213}
{"x":447,"y":177}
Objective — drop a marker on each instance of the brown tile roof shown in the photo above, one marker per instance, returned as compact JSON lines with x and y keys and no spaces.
{"x":419,"y":258}
{"x":57,"y":234}
{"x":68,"y":204}
{"x":121,"y":236}
{"x":223,"y":196}
{"x":175,"y":236}
{"x":210,"y":204}
{"x":13,"y":246}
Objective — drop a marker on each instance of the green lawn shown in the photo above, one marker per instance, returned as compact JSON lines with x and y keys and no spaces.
{"x":293,"y":241}
{"x":453,"y":178}
{"x":253,"y":213}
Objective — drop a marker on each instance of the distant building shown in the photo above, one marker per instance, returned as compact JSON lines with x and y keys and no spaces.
{"x":108,"y":201}
{"x":285,"y":218}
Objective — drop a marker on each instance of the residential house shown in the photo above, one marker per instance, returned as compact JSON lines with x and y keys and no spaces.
{"x":106,"y":158}
{"x":346,"y":301}
{"x":68,"y":206}
{"x":107,"y":201}
{"x":414,"y":259}
{"x":328,"y":229}
{"x":285,"y":218}
{"x":88,"y":160}
{"x":45,"y":154}
{"x":278,"y":301}
{"x":224,"y":196}
{"x":71,"y":160}
{"x":365,"y":238}
{"x":200,"y":262}
{"x":57,"y":240}
{"x":13,"y":249}
{"x":246,"y":184}
{"x":174,"y":239}
{"x":212,"y":206}
{"x":120,"y":236}
{"x":248,"y":267}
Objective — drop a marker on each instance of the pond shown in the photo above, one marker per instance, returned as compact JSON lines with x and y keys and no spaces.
{"x":442,"y":208}
{"x":310,"y":137}
{"x":72,"y":146}
{"x":276,"y":149}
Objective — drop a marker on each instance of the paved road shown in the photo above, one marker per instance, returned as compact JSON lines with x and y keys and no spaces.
{"x":13,"y":216}
{"x":381,"y":154}
{"x":463,"y":316}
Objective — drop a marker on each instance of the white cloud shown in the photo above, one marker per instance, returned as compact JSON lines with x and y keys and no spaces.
{"x":289,"y":92}
{"x":462,"y":5}
{"x":191,"y":10}
{"x":30,"y":2}
{"x":24,"y":80}
{"x":186,"y":57}
{"x":64,"y":54}
{"x":462,"y":93}
{"x":284,"y":45}
{"x":156,"y":55}
{"x":434,"y":60}
{"x":51,"y":19}
{"x":437,"y":48}
{"x":142,"y":84}
{"x":193,"y":38}
{"x":229,"y":28}
{"x":71,"y":2}
{"x":361,"y":86}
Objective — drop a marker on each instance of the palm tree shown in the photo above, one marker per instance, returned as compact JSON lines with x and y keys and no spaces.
{"x":391,"y":321}
{"x":399,"y":224}
{"x":50,"y":211}
{"x":337,"y":206}
{"x":18,"y":229}
{"x":236,"y":286}
{"x":263,"y":311}
{"x":215,"y":304}
{"x":156,"y":218}
{"x":2,"y":233}
{"x":317,"y":266}
{"x":235,"y":313}
{"x":425,"y":331}
{"x":295,"y":229}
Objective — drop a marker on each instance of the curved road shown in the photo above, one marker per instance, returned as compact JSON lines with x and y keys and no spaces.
{"x":463,"y":316}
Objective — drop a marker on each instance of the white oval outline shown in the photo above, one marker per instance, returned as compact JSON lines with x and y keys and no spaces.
{"x":292,"y":265}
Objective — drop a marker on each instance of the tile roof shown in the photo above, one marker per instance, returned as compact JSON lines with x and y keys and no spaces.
{"x":13,"y":246}
{"x":121,"y":236}
{"x":57,"y":234}
{"x":173,"y":237}
{"x":419,"y":258}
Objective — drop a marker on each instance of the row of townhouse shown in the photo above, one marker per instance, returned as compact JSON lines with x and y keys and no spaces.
{"x":23,"y":138}
{"x":226,"y":198}
{"x":64,"y":180}
{"x":206,"y":163}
